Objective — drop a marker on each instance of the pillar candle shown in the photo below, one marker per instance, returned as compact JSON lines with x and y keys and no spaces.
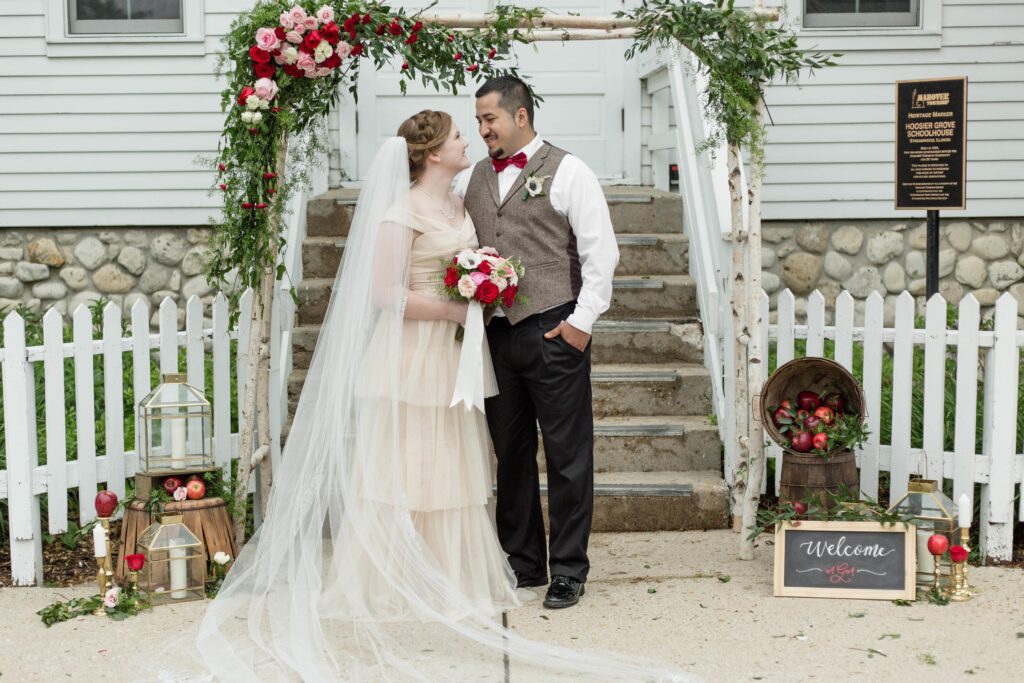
{"x":99,"y":541}
{"x":925,"y":560}
{"x":179,"y":573}
{"x":178,"y":444}
{"x":965,"y":511}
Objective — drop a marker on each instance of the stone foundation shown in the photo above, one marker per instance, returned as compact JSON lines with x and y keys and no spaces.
{"x":50,"y":268}
{"x":984,"y":257}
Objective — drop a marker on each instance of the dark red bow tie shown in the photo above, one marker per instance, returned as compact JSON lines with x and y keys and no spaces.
{"x":517,"y":160}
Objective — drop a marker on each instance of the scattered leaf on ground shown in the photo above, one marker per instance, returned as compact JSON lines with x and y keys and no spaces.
{"x":701,"y":605}
{"x":544,"y":617}
{"x":725,"y":578}
{"x":926,"y":658}
{"x":647,"y":566}
{"x":915,"y":619}
{"x":901,"y":603}
{"x":800,"y":636}
{"x":1020,"y":634}
{"x":893,"y":636}
{"x":652,"y":590}
{"x":856,"y":615}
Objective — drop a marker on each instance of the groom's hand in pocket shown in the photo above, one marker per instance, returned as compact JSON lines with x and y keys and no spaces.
{"x":578,"y":339}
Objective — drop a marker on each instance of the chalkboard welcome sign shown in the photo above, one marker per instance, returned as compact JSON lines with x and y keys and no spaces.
{"x":845,"y":560}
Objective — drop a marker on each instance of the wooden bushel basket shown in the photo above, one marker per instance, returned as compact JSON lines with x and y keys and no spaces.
{"x":807,"y":475}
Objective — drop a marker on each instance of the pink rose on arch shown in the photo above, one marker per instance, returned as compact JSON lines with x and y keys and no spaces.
{"x":287,"y":21}
{"x":266,"y":89}
{"x":478,"y":278}
{"x":343,"y":50}
{"x":325,"y":14}
{"x":293,"y":37}
{"x":306,"y":62}
{"x":298,"y":15}
{"x":267,"y":40}
{"x":279,"y":58}
{"x":320,"y":73}
{"x":311,"y":23}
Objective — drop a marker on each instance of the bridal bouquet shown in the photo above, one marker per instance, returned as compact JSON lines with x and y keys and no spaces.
{"x":483,"y":275}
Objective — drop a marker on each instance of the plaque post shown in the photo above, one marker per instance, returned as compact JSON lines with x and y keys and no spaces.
{"x":932,"y":270}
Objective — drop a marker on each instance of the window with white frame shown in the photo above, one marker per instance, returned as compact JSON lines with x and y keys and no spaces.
{"x":97,"y":17}
{"x":860,"y":13}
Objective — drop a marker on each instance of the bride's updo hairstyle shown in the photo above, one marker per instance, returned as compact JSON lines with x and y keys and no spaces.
{"x":424,"y":133}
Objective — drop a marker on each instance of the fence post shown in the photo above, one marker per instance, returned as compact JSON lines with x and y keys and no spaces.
{"x":1000,"y":440}
{"x":22,"y":456}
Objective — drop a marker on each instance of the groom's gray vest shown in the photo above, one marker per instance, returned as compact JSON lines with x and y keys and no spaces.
{"x":530,"y":229}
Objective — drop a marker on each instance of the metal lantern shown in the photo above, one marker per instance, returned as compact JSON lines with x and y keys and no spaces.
{"x":175,"y":428}
{"x":932,"y":513}
{"x":175,"y":567}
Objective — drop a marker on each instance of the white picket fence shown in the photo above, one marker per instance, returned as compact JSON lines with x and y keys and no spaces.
{"x":998,"y":468}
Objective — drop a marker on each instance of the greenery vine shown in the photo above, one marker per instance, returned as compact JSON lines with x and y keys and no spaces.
{"x":292,"y":105}
{"x":741,"y":53}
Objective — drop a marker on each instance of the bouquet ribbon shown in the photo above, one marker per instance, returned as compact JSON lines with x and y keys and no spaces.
{"x":469,"y":383}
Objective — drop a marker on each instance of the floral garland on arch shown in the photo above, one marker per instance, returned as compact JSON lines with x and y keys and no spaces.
{"x":285,"y":63}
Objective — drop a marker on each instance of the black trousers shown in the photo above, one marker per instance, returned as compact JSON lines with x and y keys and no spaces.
{"x":548,"y":382}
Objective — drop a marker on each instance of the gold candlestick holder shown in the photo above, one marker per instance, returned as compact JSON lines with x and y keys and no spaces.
{"x":937,"y":585}
{"x":962,"y":589}
{"x":104,"y":564}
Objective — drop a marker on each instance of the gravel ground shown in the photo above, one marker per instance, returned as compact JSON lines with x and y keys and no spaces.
{"x":679,"y":597}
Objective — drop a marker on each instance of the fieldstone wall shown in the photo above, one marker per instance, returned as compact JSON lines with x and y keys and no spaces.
{"x":983,"y":257}
{"x":50,"y":268}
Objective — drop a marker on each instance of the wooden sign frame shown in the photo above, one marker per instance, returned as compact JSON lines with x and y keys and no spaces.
{"x":909,"y":592}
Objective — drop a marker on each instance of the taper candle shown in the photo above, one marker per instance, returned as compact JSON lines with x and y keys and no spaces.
{"x":965,"y":511}
{"x":99,"y":541}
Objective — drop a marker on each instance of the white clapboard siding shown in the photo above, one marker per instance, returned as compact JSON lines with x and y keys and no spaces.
{"x":85,"y":412}
{"x":996,"y":467}
{"x":830,"y":146}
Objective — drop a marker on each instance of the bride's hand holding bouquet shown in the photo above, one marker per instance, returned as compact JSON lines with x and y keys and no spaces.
{"x":483,"y":276}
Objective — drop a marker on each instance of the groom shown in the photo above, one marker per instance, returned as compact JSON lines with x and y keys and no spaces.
{"x":533,"y":200}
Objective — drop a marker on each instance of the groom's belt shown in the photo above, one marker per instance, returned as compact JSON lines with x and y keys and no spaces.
{"x":552,"y":316}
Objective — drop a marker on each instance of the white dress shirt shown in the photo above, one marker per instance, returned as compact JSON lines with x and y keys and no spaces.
{"x":576,"y":193}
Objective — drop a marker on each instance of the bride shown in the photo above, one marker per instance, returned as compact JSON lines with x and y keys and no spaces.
{"x":378,"y":558}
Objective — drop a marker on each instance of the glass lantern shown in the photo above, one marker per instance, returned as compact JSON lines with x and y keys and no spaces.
{"x":175,"y":428}
{"x":932,"y":513}
{"x":175,"y":567}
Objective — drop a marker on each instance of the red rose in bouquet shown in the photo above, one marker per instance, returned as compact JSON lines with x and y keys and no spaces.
{"x":451,"y":277}
{"x":487,"y":292}
{"x":508,"y":297}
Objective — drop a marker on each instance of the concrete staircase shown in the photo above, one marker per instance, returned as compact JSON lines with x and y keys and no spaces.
{"x":657,"y":455}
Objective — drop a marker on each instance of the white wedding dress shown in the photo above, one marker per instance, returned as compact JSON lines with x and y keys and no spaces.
{"x":377,"y":559}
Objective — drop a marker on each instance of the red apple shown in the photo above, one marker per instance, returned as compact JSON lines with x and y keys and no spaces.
{"x":938,"y":544}
{"x":781,"y":417}
{"x":801,"y":442}
{"x":106,"y":503}
{"x":170,"y":484}
{"x":808,"y":400}
{"x":800,"y":508}
{"x":820,"y":441}
{"x":196,"y":489}
{"x":801,"y":417}
{"x":812,"y":422}
{"x":836,"y":403}
{"x":826,"y":414}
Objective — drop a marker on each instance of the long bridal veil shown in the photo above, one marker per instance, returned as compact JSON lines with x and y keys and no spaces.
{"x":300,"y":603}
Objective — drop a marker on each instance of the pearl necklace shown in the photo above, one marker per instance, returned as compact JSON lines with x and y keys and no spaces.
{"x":450,"y":214}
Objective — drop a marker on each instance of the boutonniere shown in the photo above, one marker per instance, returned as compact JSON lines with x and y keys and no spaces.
{"x":535,"y":186}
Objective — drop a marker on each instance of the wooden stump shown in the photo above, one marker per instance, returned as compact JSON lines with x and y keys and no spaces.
{"x":807,"y":475}
{"x":207,"y":518}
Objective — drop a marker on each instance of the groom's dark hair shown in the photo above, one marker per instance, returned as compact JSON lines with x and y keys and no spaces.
{"x":512,"y":94}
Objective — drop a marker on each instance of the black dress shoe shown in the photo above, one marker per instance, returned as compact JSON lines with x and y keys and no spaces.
{"x":530,"y":582}
{"x":564,"y":591}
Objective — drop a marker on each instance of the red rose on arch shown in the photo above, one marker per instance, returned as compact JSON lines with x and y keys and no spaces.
{"x":451,"y":277}
{"x":332,"y":62}
{"x":294,"y":71}
{"x":280,"y":32}
{"x":259,"y":56}
{"x":357,"y":50}
{"x":380,"y":29}
{"x":311,"y":40}
{"x":330,"y":33}
{"x":487,"y":292}
{"x":244,"y":95}
{"x":367,"y":19}
{"x":508,"y":297}
{"x":395,"y":28}
{"x":413,"y":37}
{"x":485,"y":267}
{"x":264,"y":70}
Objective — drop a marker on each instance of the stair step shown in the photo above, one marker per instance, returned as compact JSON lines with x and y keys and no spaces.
{"x":653,"y":443}
{"x":663,"y":296}
{"x":639,"y":254}
{"x":648,"y":341}
{"x":633,"y":210}
{"x":657,"y":501}
{"x":660,"y":389}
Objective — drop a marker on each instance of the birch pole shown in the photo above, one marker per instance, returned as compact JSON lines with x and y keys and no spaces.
{"x":255,"y":418}
{"x":738,"y":302}
{"x":755,"y":364}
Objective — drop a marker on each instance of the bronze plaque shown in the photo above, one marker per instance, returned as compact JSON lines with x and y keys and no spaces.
{"x":931,"y":144}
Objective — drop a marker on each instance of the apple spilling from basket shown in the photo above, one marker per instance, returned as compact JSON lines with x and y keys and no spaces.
{"x":193,"y":489}
{"x":814,"y":423}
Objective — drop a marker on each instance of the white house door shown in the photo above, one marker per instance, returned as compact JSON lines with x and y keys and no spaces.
{"x":582,"y":83}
